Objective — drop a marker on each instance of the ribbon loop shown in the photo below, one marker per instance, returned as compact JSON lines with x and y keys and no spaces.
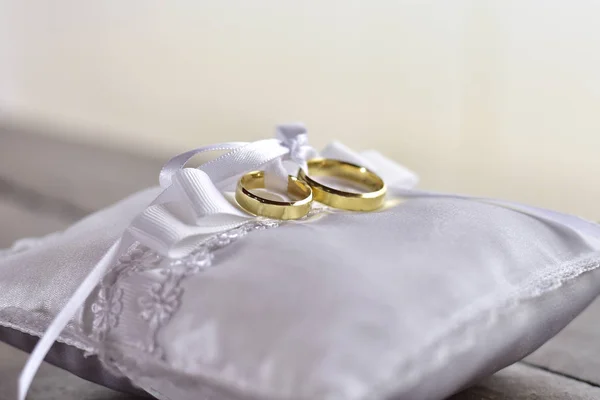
{"x":197,"y":191}
{"x":392,"y":173}
{"x":225,"y":170}
{"x":178,"y":162}
{"x":294,"y":136}
{"x":192,"y":205}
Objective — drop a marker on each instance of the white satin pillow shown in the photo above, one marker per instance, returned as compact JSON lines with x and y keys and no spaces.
{"x":412,"y":302}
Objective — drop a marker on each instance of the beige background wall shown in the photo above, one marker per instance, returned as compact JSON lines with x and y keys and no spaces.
{"x":486,"y":97}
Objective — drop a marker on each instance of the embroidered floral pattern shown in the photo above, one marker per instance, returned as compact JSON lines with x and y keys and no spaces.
{"x":195,"y":262}
{"x":108,"y":304}
{"x":106,"y":311}
{"x":163,"y":297}
{"x":139,"y":258}
{"x":160,"y":302}
{"x":158,"y":305}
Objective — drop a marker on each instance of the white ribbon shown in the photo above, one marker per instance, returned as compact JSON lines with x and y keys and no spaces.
{"x":192,"y":206}
{"x":401,"y":181}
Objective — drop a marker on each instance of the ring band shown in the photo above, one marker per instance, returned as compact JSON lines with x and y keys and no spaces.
{"x":257,"y":205}
{"x":368,"y":201}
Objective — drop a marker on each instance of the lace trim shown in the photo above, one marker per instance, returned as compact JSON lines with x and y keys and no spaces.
{"x":161,"y":302}
{"x":461,"y":332}
{"x":437,"y":353}
{"x":35,"y":325}
{"x":108,"y":305}
{"x":163,"y":299}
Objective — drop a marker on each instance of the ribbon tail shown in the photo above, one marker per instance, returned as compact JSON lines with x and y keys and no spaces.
{"x":62,"y":319}
{"x":276,"y":176}
{"x":401,"y":181}
{"x":392,"y":173}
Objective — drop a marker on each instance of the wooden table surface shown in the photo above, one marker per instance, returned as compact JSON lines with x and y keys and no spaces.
{"x":47,"y":184}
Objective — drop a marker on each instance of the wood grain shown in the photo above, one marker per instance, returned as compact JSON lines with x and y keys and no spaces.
{"x":523,"y":382}
{"x":50,"y":383}
{"x":17,"y":221}
{"x":87,"y":178}
{"x":576,"y":350}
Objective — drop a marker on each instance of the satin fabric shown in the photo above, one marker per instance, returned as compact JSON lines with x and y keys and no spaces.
{"x":411,"y":302}
{"x":137,"y":291}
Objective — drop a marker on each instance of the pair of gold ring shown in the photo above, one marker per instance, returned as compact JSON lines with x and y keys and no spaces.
{"x":306,"y":189}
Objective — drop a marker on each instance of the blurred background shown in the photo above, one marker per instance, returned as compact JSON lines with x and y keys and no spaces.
{"x":496,"y":98}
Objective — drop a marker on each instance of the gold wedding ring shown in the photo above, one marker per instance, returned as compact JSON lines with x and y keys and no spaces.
{"x":270,"y":208}
{"x":368,"y":201}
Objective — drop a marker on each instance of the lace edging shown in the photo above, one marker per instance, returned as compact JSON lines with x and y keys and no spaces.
{"x":439,"y":351}
{"x":162,"y":300}
{"x":12,"y":318}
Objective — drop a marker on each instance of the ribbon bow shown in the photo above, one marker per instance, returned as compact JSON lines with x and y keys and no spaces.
{"x":193,"y":205}
{"x":295,"y":138}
